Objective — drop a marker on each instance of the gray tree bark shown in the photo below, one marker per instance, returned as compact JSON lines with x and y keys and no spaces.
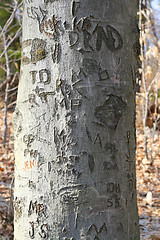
{"x":75,"y":122}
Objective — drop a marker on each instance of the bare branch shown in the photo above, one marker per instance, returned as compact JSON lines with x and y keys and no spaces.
{"x":16,"y":75}
{"x":153,"y":28}
{"x":3,"y":68}
{"x":15,"y":36}
{"x":7,"y":86}
{"x":153,"y":81}
{"x":12,"y":89}
{"x":3,"y":84}
{"x":9,"y":21}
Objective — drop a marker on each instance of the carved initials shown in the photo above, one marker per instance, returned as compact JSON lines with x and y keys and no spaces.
{"x":87,"y":37}
{"x":43,"y":233}
{"x":42,"y":73}
{"x":44,"y":76}
{"x":33,"y":74}
{"x":75,"y":6}
{"x":98,"y":140}
{"x":73,"y":38}
{"x":108,"y":38}
{"x":56,"y":53}
{"x":31,"y":233}
{"x":93,"y":228}
{"x":36,"y":207}
{"x":48,"y":26}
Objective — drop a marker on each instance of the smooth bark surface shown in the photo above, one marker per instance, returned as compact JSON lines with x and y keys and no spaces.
{"x":75,"y":121}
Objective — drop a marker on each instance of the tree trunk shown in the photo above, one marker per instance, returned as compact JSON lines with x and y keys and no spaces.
{"x":75,"y":122}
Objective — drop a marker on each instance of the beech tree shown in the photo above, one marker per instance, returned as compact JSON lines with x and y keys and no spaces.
{"x":75,"y":121}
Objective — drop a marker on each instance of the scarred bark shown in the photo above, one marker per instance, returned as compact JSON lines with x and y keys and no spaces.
{"x":75,"y":122}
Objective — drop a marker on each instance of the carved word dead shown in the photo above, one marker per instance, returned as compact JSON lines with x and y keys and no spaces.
{"x":86,"y":37}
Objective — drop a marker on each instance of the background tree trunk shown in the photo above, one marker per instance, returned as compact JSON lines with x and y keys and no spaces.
{"x":75,"y":121}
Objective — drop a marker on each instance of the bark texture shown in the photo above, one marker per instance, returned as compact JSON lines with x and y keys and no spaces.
{"x":75,"y":121}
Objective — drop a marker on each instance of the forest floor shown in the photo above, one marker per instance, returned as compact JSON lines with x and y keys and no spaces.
{"x":148,"y":188}
{"x":148,"y":185}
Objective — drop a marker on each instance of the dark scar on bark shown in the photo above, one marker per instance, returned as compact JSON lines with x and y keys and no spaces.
{"x":110,"y":112}
{"x":38,"y":51}
{"x":91,"y":163}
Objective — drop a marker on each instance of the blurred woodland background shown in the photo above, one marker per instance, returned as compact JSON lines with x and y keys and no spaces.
{"x":147,"y":122}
